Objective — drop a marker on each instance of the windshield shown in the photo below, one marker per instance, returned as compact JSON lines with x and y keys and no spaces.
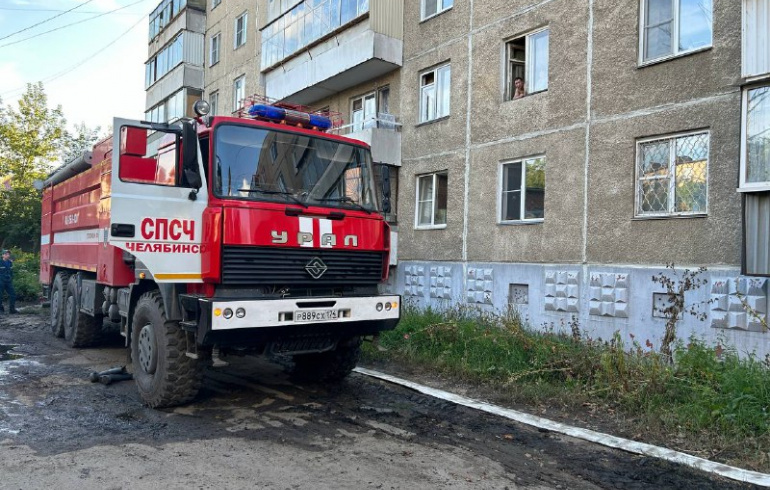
{"x":263,"y":165}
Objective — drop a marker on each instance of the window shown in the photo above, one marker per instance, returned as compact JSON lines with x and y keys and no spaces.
{"x":214,"y":3}
{"x":240,"y":31}
{"x":363,"y":113}
{"x":527,"y":59}
{"x":431,"y":201}
{"x":756,"y":23}
{"x":755,"y":141}
{"x":216,"y":41}
{"x":434,"y":93}
{"x":164,"y":61}
{"x":523,"y":190}
{"x":371,"y":111}
{"x":673,"y":27}
{"x":214,"y":103}
{"x":239,"y":92}
{"x":672,"y":175}
{"x":434,"y":7}
{"x":295,"y":25}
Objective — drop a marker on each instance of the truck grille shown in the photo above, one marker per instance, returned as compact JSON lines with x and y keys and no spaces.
{"x":289,"y":267}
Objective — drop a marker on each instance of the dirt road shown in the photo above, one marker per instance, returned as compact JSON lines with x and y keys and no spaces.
{"x":252,"y":428}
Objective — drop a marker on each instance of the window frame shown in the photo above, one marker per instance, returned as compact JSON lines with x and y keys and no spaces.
{"x":439,"y":10}
{"x":528,"y":63}
{"x":215,"y":39}
{"x":360,"y":127}
{"x":432,"y":225}
{"x":501,"y":190}
{"x":671,"y":213}
{"x":214,"y":102}
{"x":675,"y":52}
{"x":744,"y":186}
{"x":245,"y":17}
{"x":435,"y":70}
{"x":236,"y":102}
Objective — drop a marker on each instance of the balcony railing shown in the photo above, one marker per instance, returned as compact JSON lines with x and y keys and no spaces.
{"x":382,"y":121}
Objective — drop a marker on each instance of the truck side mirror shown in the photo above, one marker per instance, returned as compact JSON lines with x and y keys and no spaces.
{"x":385,"y":189}
{"x":190,"y":173}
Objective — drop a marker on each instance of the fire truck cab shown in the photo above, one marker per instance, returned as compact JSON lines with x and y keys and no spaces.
{"x":259,"y":234}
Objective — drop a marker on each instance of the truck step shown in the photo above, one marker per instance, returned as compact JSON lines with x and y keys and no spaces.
{"x":189,"y":325}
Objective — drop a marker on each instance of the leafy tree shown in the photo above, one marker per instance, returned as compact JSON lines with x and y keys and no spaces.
{"x":32,"y":137}
{"x":83,"y":139}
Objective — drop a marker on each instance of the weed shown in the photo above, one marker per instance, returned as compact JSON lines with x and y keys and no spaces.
{"x":708,"y":395}
{"x":676,"y":287}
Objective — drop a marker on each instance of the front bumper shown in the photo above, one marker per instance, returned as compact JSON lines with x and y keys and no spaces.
{"x":300,"y":312}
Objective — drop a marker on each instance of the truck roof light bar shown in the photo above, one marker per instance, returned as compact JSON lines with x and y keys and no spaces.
{"x":264,"y":108}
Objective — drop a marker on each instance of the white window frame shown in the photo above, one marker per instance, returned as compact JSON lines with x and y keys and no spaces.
{"x":432,"y":225}
{"x":438,"y":88}
{"x":216,"y":39}
{"x":675,"y":52}
{"x":671,"y":213}
{"x":244,"y":30}
{"x":529,"y":65}
{"x":214,"y":102}
{"x":361,"y":125}
{"x":236,"y":100}
{"x":440,"y":9}
{"x":744,"y":186}
{"x":523,"y":190}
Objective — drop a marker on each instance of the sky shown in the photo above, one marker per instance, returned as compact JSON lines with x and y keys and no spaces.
{"x":94,"y":70}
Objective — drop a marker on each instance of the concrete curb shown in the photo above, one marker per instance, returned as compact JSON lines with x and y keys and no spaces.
{"x":627,"y":445}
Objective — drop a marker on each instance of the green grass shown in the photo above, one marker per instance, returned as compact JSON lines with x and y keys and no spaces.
{"x":706,"y":393}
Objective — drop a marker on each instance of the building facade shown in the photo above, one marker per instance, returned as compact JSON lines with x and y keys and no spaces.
{"x":174,"y":67}
{"x":552,"y":156}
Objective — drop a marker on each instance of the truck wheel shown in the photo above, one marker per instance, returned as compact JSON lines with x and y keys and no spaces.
{"x":80,"y":330}
{"x":164,"y":375}
{"x":329,"y":366}
{"x":58,"y":293}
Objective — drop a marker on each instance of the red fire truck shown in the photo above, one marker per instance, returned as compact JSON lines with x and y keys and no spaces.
{"x":256,"y":234}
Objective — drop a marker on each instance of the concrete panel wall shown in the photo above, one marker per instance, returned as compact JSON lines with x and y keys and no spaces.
{"x":559,"y":238}
{"x":233,"y":62}
{"x":614,"y":236}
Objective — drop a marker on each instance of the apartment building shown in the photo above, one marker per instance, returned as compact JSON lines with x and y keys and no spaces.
{"x":174,"y":67}
{"x":553,"y":155}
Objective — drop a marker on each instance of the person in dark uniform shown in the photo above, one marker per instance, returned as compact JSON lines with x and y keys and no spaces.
{"x":6,"y":282}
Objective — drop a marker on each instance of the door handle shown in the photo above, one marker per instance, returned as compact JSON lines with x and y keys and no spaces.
{"x":122,"y":230}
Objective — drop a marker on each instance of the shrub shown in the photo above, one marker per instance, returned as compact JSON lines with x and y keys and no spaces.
{"x":26,"y":275}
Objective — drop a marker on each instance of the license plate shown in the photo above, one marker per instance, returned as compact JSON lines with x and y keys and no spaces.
{"x":315,"y":315}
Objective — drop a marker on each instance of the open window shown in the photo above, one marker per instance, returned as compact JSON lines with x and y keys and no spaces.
{"x":527,"y":64}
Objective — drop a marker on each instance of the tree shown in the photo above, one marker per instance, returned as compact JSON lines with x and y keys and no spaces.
{"x":31,"y":139}
{"x":83,"y":139}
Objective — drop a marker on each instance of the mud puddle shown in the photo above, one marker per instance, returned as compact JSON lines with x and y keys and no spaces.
{"x":7,"y":354}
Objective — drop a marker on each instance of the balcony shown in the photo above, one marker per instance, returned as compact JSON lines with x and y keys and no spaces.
{"x":308,"y":54}
{"x":382,"y":134}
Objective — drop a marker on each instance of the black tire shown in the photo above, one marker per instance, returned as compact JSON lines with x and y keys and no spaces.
{"x":164,"y":375}
{"x":329,"y":367}
{"x":80,"y":330}
{"x":58,"y":293}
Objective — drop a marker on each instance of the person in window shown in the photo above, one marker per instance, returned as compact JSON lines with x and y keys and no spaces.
{"x":518,"y":88}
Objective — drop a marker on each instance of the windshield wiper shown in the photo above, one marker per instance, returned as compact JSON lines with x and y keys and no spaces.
{"x":282,"y":193}
{"x":348,"y":200}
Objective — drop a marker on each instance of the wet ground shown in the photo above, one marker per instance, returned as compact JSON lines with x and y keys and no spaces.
{"x":251,"y":427}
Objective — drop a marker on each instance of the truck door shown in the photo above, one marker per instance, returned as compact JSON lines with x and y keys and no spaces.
{"x":155,"y":210}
